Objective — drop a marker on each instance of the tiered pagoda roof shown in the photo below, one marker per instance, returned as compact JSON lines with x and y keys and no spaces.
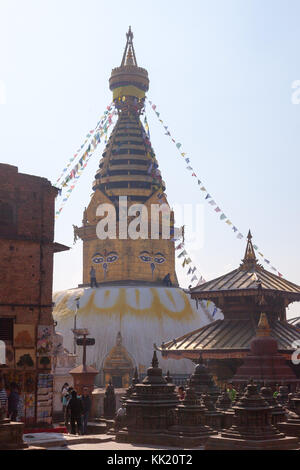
{"x":242,"y":295}
{"x":249,"y":278}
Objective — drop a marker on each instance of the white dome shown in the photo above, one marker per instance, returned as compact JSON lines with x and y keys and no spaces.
{"x":144,"y":315}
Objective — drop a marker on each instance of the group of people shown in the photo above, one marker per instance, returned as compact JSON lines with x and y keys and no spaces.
{"x":229,"y":388}
{"x":10,"y":399}
{"x":76,"y":409}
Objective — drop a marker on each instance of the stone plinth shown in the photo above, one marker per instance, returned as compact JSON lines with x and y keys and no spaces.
{"x":190,"y":429}
{"x":83,"y":376}
{"x":150,"y":410}
{"x":11,"y":435}
{"x":252,"y":428}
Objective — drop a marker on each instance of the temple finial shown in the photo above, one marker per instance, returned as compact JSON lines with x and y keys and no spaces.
{"x":249,"y":258}
{"x":263,"y":327}
{"x":129,"y":54}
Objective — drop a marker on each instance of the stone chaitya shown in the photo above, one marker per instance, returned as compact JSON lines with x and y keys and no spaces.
{"x":189,"y":428}
{"x":292,"y":425}
{"x":129,"y":391}
{"x":278,"y":412}
{"x":203,"y":381}
{"x":264,"y":363}
{"x":150,"y":409}
{"x":252,"y":428}
{"x":213,"y":417}
{"x":224,"y":404}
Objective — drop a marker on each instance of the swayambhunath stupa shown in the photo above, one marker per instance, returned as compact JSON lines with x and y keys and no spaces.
{"x":131,"y":304}
{"x":134,"y":324}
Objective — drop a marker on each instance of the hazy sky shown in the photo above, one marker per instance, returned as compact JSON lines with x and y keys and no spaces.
{"x":221,"y":75}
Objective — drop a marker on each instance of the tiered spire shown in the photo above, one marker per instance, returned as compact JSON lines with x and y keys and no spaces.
{"x":249,"y":257}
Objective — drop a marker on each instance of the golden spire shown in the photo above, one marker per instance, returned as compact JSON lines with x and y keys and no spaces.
{"x":129,"y":54}
{"x":263,"y":327}
{"x":249,"y":260}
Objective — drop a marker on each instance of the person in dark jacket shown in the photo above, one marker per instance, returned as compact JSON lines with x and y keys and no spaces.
{"x":13,"y":401}
{"x":86,"y":405}
{"x":75,"y":408}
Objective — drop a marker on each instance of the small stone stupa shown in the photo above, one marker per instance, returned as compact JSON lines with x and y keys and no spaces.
{"x":264,"y":364}
{"x":278,"y":412}
{"x":213,"y":417}
{"x":150,"y":409}
{"x":292,"y":425}
{"x":252,"y":428}
{"x":224,"y":404}
{"x":203,"y":381}
{"x":189,"y":430}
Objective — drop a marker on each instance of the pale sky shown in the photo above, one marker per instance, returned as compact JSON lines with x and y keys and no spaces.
{"x":221,"y":75}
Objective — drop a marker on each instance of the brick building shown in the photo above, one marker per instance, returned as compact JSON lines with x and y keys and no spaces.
{"x":26,"y":274}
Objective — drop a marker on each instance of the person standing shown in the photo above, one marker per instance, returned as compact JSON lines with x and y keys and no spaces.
{"x":75,"y":408}
{"x":13,"y":402}
{"x":181,"y":393}
{"x":231,"y":391}
{"x":64,"y":395}
{"x":93,"y":277}
{"x":3,"y":396}
{"x":86,"y":405}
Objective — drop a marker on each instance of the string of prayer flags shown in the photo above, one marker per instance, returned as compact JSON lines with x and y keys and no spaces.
{"x":98,"y":126}
{"x":208,"y":196}
{"x":78,"y":169}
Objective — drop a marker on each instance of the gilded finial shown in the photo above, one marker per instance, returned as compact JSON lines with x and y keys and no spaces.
{"x":263,"y":327}
{"x":249,"y":258}
{"x":129,"y":54}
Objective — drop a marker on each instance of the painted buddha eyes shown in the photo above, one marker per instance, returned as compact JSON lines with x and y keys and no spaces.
{"x":111,"y":258}
{"x":157,"y":258}
{"x":145,"y":258}
{"x":97,"y":259}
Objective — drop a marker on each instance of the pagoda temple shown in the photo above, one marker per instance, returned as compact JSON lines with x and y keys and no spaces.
{"x":130,"y":298}
{"x":242,"y":295}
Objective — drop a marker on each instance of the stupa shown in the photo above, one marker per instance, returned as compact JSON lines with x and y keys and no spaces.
{"x":264,"y":364}
{"x":203,"y":380}
{"x":130,"y":295}
{"x":213,"y":417}
{"x":291,"y":426}
{"x":252,"y":428}
{"x":190,"y":429}
{"x":150,"y":409}
{"x":278,"y":412}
